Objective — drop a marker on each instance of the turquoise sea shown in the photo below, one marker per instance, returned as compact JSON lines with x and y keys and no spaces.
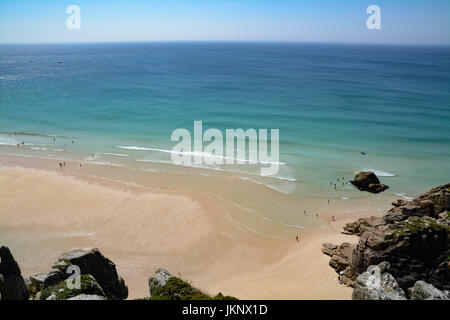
{"x":120,"y":102}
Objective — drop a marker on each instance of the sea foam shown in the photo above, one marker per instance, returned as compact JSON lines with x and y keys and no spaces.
{"x":195,"y":153}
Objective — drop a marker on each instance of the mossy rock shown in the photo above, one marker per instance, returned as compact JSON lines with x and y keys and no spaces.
{"x":88,"y":285}
{"x":416,"y":225}
{"x":178,"y":289}
{"x":62,"y":264}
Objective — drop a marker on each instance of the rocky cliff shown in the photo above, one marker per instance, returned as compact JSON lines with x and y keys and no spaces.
{"x":413,"y":237}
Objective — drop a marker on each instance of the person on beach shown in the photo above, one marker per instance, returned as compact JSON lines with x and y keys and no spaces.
{"x":333,"y":218}
{"x":60,"y":165}
{"x":64,"y":164}
{"x":80,"y":165}
{"x":296,"y":238}
{"x":317,"y":215}
{"x":328,"y":201}
{"x":304,"y":212}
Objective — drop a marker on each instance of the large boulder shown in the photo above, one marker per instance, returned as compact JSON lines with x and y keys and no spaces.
{"x":92,"y":262}
{"x":12,"y":284}
{"x":426,"y":291}
{"x":368,"y":181}
{"x":377,"y":284}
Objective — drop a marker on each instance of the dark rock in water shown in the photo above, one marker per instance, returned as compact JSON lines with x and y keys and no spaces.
{"x":101,"y":268}
{"x":426,"y":291}
{"x":12,"y":284}
{"x":413,"y":237}
{"x":368,"y":181}
{"x":377,"y":284}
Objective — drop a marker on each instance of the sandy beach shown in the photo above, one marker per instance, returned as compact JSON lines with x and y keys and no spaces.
{"x":45,"y":212}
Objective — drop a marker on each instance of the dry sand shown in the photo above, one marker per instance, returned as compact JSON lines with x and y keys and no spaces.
{"x":44,"y":213}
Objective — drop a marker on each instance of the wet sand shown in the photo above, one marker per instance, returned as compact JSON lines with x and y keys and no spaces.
{"x":45,"y":211}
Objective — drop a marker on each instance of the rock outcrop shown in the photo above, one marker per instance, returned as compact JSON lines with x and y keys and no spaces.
{"x":97,"y":277}
{"x":67,"y":289}
{"x":368,"y":181}
{"x":41,"y":281}
{"x":362,"y":225}
{"x":12,"y":284}
{"x":413,"y":237}
{"x":92,"y":262}
{"x":165,"y":286}
{"x":377,"y":284}
{"x":426,"y":291}
{"x":341,"y":257}
{"x":158,"y":280}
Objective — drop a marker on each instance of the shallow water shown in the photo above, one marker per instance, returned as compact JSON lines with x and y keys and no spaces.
{"x":119,"y":104}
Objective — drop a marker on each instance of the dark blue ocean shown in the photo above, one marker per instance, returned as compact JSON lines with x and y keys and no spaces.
{"x":121,"y":102}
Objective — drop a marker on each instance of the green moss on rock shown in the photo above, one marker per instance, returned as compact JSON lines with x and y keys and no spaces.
{"x":178,"y":289}
{"x":88,"y":285}
{"x":415,"y":225}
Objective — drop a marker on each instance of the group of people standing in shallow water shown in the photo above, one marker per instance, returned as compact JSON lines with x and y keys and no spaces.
{"x":63,"y":164}
{"x":339,"y":180}
{"x":343,"y":181}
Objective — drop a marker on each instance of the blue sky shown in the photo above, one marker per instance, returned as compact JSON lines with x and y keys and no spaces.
{"x":402,"y":21}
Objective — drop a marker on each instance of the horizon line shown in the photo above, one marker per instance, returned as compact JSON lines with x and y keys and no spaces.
{"x":231,"y":41}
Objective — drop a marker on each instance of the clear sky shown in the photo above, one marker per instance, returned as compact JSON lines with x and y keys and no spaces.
{"x":402,"y":21}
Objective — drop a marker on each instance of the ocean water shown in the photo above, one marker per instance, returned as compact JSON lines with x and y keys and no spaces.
{"x":119,"y":103}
